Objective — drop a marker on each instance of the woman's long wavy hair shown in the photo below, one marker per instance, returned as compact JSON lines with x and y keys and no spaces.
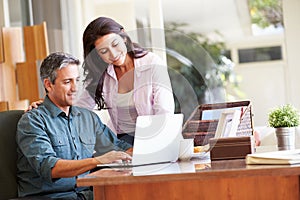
{"x":93,"y":66}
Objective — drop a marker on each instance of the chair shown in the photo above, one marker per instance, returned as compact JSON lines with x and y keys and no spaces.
{"x":8,"y":153}
{"x":3,"y":106}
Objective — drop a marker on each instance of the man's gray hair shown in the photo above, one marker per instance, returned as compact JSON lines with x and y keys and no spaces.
{"x":53,"y":62}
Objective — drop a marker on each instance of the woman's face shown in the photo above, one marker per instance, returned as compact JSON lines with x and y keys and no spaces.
{"x":112,"y":49}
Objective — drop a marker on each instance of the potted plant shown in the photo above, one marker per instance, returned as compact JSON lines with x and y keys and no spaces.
{"x":284,"y":119}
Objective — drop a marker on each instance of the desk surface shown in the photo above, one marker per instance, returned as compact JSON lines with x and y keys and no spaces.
{"x":195,"y":169}
{"x":197,"y":179}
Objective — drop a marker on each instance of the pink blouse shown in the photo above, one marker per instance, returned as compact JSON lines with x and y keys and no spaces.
{"x":152,"y":89}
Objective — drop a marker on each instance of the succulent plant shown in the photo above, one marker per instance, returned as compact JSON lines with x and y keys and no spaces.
{"x":284,"y":116}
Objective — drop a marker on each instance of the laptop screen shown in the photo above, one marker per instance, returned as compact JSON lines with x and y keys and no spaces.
{"x":157,"y":138}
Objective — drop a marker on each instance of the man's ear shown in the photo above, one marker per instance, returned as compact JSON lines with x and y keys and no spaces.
{"x":47,"y":84}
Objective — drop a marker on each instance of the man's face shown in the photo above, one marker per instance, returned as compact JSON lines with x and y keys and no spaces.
{"x":63,"y":92}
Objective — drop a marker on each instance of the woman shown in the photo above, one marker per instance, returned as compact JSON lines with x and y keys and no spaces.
{"x":122,"y":77}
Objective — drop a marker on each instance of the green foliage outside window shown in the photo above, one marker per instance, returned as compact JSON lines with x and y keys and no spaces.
{"x":266,"y":12}
{"x":200,"y":61}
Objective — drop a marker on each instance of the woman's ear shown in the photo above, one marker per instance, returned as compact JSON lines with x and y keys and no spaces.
{"x":125,"y":40}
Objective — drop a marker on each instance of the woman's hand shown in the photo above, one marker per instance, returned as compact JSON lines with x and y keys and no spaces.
{"x":113,"y":156}
{"x":257,"y":138}
{"x":34,"y":105}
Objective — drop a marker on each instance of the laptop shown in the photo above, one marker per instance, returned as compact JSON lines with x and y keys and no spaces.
{"x":157,"y":140}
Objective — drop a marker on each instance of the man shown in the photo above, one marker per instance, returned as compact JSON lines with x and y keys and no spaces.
{"x":56,"y":141}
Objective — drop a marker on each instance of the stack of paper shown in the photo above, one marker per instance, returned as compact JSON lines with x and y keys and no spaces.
{"x":287,"y":157}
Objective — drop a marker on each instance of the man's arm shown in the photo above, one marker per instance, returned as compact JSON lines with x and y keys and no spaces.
{"x":70,"y":168}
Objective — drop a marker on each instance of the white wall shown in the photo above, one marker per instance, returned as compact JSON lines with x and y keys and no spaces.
{"x":271,"y":84}
{"x":292,"y":32}
{"x":264,"y":83}
{"x":121,"y":11}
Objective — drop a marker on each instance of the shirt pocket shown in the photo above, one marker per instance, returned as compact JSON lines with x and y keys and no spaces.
{"x":88,"y":144}
{"x":60,"y":146}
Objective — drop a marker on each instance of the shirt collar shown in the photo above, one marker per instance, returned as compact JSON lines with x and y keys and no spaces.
{"x":111,"y":71}
{"x":55,"y":111}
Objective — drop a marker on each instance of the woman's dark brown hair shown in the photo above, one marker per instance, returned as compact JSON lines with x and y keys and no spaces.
{"x":93,"y":66}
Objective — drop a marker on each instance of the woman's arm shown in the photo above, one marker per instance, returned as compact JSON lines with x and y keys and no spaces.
{"x":84,"y":100}
{"x":163,"y":99}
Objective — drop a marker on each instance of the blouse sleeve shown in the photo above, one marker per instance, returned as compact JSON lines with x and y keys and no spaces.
{"x":84,"y":100}
{"x":163,"y":101}
{"x":106,"y":140}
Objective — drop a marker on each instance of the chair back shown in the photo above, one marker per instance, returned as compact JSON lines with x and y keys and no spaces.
{"x":8,"y":153}
{"x":3,"y":106}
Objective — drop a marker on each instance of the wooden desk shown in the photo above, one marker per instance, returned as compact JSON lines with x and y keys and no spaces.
{"x":230,"y":179}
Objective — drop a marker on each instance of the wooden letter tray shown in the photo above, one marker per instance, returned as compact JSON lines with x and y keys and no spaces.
{"x":231,"y":147}
{"x":203,"y":129}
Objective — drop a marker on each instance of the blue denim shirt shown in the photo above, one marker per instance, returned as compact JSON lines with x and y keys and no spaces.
{"x":46,"y":134}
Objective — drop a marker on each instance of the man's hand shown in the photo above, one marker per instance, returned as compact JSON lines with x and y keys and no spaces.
{"x":113,"y":156}
{"x":129,"y":151}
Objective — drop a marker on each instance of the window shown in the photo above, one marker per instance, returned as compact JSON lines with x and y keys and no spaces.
{"x":260,"y":54}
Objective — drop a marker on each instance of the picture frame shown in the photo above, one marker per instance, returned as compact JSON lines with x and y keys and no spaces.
{"x":228,"y":124}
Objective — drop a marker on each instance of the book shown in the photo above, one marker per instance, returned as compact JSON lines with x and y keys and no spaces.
{"x":287,"y":157}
